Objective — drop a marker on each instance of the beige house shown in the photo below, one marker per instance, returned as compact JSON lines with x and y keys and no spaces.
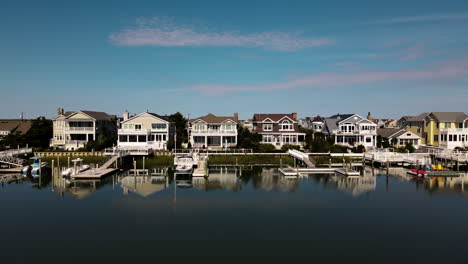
{"x":73,"y":130}
{"x":212,"y":131}
{"x":144,"y":132}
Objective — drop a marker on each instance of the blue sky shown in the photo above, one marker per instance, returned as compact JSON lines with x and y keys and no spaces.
{"x":391,"y":58}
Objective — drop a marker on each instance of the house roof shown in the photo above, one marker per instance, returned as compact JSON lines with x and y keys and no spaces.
{"x":273,"y":117}
{"x":13,"y":126}
{"x":401,"y":132}
{"x":317,"y":119}
{"x":449,"y":116}
{"x":331,"y":124}
{"x":387,"y":132}
{"x":341,"y":116}
{"x":164,"y":118}
{"x":212,"y":119}
{"x":417,"y":118}
{"x":94,"y":114}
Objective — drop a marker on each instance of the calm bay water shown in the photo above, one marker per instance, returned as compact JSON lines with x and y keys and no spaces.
{"x":250,"y":212}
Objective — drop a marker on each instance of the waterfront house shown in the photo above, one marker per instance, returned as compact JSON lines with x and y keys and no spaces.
{"x":415,"y":124}
{"x":447,"y":129}
{"x":74,"y":129}
{"x":213,"y":132}
{"x":278,"y":129}
{"x":314,"y":123}
{"x":144,"y":133}
{"x":351,"y":130}
{"x":399,"y":137}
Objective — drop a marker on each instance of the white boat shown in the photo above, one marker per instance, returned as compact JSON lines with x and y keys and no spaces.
{"x":184,"y":168}
{"x":78,"y":167}
{"x":36,"y":168}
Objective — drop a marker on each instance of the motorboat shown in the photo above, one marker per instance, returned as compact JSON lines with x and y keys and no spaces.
{"x":78,"y":167}
{"x":36,"y":168}
{"x":184,"y":168}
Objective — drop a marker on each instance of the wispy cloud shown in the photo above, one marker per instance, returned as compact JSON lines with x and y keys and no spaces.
{"x":422,"y":18}
{"x":164,"y":32}
{"x":446,"y":72}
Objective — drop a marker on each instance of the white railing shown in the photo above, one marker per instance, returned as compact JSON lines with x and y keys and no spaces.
{"x":454,"y":130}
{"x":79,"y":128}
{"x":75,"y":142}
{"x":18,"y":151}
{"x":134,"y":131}
{"x":213,"y":131}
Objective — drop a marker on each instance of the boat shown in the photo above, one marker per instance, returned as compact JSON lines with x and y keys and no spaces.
{"x":78,"y":167}
{"x":431,"y":172}
{"x":36,"y":168}
{"x":184,"y":168}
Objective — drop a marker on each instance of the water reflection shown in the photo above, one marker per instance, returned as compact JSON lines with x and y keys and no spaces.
{"x":149,"y":182}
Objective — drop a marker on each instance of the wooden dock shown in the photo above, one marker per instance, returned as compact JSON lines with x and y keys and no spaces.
{"x":94,"y":173}
{"x":11,"y":170}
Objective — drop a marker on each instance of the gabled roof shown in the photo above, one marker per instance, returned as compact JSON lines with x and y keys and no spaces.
{"x":318,"y":119}
{"x":164,"y":118}
{"x":341,"y":116}
{"x":388,"y":132}
{"x":273,"y":117}
{"x":93,"y":114}
{"x":418,"y":118}
{"x":212,"y":119}
{"x":16,"y":126}
{"x":449,"y":116}
{"x":404,"y":132}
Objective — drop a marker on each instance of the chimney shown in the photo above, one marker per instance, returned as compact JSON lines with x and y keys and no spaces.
{"x":60,"y":111}
{"x":294,"y":116}
{"x":236,"y":117}
{"x":126,"y":115}
{"x":369,"y":117}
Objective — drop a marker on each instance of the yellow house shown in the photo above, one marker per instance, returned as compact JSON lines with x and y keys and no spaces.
{"x":446,"y":129}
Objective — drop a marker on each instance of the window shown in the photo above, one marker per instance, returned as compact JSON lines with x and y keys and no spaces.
{"x":286,"y":125}
{"x":151,"y":138}
{"x":137,"y":126}
{"x":368,"y":139}
{"x":132,"y":138}
{"x":447,"y":125}
{"x":267,"y":127}
{"x":163,"y":137}
{"x":229,"y":140}
{"x":158,"y":126}
{"x":142,"y":138}
{"x":436,"y":137}
{"x":267,"y":138}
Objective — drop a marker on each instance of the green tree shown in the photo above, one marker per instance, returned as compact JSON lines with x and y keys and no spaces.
{"x":180,"y":123}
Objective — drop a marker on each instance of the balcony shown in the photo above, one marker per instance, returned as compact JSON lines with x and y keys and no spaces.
{"x":79,"y":128}
{"x":210,"y":131}
{"x":76,"y":143}
{"x":134,"y":131}
{"x":454,"y":130}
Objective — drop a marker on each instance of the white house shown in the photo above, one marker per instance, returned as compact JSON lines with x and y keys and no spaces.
{"x":278,"y":129}
{"x":144,"y":132}
{"x":399,"y":137}
{"x":213,"y":132}
{"x":73,"y":130}
{"x":352,"y":130}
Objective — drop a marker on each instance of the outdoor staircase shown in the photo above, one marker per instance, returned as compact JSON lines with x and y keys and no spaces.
{"x":301,"y":156}
{"x":109,"y":162}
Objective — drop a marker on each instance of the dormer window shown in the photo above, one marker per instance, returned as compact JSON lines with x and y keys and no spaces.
{"x":267,"y":127}
{"x":286,"y":125}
